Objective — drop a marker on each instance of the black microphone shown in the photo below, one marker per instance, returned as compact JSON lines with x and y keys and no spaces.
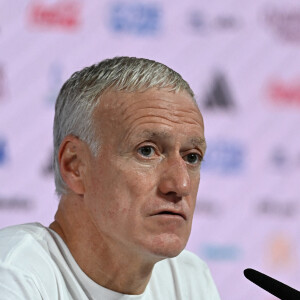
{"x":271,"y":285}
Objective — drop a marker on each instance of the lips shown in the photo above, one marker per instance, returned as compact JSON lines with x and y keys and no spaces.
{"x":170,"y":212}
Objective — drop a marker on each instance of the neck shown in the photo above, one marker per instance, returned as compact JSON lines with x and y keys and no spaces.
{"x":102,"y":259}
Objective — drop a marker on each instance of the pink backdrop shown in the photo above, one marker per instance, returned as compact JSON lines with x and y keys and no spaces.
{"x":242,"y":59}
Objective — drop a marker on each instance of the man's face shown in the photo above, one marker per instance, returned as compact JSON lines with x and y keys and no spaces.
{"x":141,"y":189}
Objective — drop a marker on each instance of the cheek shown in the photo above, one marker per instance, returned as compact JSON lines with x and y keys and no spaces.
{"x":195,"y":181}
{"x":122,"y":189}
{"x":138,"y":178}
{"x":101,"y":188}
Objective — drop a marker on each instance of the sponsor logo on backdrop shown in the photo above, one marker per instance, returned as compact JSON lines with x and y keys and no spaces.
{"x":135,"y":18}
{"x":280,"y":252}
{"x":224,"y":157}
{"x":47,"y":169}
{"x":65,"y":14}
{"x":284,"y":22}
{"x":217,"y":252}
{"x":282,"y":92}
{"x":218,"y":96}
{"x":283,"y":208}
{"x":55,"y":82}
{"x":202,"y":23}
{"x":3,"y":151}
{"x":279,"y":158}
{"x":15,"y":203}
{"x":2,"y":83}
{"x":207,"y":207}
{"x":282,"y":160}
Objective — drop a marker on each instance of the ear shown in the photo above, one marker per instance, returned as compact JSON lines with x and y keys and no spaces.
{"x":71,"y":157}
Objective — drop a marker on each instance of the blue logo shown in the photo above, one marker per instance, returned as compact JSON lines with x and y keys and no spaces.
{"x":224,"y":157}
{"x":220,"y":252}
{"x":3,"y":154}
{"x":135,"y":18}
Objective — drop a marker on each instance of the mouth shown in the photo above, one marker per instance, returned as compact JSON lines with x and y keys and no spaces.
{"x":170,"y":214}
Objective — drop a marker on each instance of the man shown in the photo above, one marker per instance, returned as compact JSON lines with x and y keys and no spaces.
{"x":128,"y":145}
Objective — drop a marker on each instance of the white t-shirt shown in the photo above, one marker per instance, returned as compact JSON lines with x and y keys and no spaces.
{"x":35,"y":263}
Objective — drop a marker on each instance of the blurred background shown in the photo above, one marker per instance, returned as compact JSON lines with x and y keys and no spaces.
{"x":241,"y":58}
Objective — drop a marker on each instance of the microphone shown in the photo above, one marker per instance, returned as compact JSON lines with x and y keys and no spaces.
{"x":271,"y":285}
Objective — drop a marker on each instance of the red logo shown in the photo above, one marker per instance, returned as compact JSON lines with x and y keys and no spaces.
{"x":63,"y":14}
{"x":282,"y":92}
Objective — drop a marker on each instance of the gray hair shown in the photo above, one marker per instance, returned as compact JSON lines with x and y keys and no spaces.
{"x":81,"y":93}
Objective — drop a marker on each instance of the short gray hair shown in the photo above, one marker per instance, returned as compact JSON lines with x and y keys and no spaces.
{"x":81,"y":93}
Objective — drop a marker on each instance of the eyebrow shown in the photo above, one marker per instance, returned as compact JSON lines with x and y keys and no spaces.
{"x":200,"y":142}
{"x":195,"y":141}
{"x":154,"y":134}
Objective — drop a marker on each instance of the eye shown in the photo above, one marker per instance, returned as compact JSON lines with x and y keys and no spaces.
{"x":193,"y":158}
{"x":146,"y":151}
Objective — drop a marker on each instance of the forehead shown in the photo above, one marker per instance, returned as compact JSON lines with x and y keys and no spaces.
{"x":153,"y":113}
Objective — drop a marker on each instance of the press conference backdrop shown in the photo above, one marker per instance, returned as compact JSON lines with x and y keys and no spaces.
{"x":242,"y":59}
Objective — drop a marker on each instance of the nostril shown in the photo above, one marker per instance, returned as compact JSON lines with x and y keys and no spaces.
{"x":170,"y":193}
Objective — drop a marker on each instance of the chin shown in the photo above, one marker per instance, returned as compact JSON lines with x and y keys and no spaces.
{"x":167,"y":246}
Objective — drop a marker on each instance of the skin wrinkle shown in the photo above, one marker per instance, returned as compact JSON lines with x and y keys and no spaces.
{"x":186,"y":114}
{"x":115,"y":104}
{"x":153,"y":136}
{"x":136,"y":124}
{"x":138,"y":103}
{"x":177,"y":120}
{"x":173,"y":111}
{"x":143,"y":108}
{"x":181,"y":116}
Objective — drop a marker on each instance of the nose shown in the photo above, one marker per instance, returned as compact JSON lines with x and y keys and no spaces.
{"x":175,"y":179}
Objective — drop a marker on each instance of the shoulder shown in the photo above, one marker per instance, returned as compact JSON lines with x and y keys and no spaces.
{"x":32,"y":263}
{"x":34,"y":229}
{"x":17,"y":241}
{"x":25,"y":260}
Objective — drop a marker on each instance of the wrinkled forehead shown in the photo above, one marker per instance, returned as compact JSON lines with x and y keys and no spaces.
{"x":118,"y":102}
{"x":129,"y":111}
